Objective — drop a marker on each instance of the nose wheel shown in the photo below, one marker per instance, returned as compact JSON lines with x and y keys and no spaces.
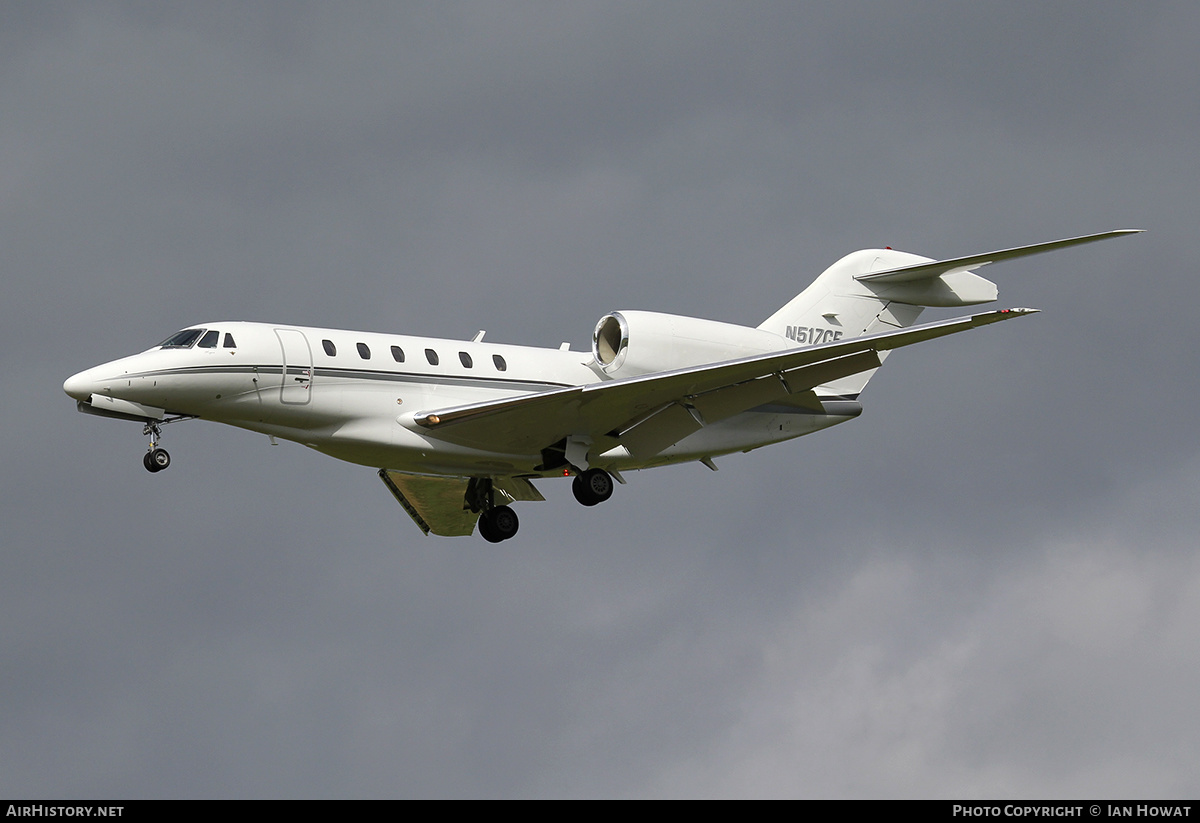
{"x":156,"y":459}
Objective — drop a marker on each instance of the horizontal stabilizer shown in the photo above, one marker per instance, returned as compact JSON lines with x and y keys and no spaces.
{"x":936,"y":268}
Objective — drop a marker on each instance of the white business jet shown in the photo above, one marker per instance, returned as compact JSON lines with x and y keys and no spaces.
{"x":458,"y":429}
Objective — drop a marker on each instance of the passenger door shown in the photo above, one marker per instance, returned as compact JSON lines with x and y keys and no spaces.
{"x":296,"y":386}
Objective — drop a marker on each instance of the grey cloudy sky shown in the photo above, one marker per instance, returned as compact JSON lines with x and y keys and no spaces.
{"x":986,"y":586}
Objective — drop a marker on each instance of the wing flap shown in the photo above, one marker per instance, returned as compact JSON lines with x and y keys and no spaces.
{"x":818,"y":374}
{"x":722,"y":403}
{"x":517,"y":488}
{"x":434,"y":503}
{"x":660,"y":431}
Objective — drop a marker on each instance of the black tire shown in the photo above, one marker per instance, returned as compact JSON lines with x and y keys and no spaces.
{"x":148,"y":462}
{"x":160,"y":459}
{"x":577,"y":489}
{"x":486,"y":531}
{"x":504,"y":522}
{"x":592,"y":487}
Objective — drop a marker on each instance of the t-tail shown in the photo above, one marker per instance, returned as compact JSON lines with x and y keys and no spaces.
{"x":879,"y":290}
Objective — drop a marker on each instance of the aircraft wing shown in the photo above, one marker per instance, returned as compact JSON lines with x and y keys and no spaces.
{"x":528,"y":423}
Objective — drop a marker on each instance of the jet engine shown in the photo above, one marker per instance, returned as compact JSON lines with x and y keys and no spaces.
{"x":629,"y":343}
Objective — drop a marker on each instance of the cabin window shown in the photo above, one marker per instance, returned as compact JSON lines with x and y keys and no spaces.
{"x":229,"y":344}
{"x":209,"y":340}
{"x":465,"y":359}
{"x":398,"y":354}
{"x":363,"y":351}
{"x":182,"y":339}
{"x":499,"y":361}
{"x":329,"y":348}
{"x":431,"y":356}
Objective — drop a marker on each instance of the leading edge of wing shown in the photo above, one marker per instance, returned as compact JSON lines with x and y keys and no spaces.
{"x":527,"y":423}
{"x":936,"y":268}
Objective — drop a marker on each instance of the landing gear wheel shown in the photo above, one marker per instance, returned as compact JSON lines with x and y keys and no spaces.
{"x":160,"y":459}
{"x":156,"y":460}
{"x":486,"y":531}
{"x":592,"y":487}
{"x":498,"y":524}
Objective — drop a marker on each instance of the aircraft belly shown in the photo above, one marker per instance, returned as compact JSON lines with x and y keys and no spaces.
{"x":371,"y":432}
{"x":362,"y":421}
{"x":386,"y":444}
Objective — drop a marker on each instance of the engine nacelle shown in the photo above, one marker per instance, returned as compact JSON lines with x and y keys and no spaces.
{"x":640,"y":342}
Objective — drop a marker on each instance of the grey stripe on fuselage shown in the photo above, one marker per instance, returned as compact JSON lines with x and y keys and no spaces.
{"x":845,"y":405}
{"x":368,"y":374}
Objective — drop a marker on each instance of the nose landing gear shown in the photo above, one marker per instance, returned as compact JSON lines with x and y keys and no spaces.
{"x":155,"y":459}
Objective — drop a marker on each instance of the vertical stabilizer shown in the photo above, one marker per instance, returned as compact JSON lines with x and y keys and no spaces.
{"x":841,"y":303}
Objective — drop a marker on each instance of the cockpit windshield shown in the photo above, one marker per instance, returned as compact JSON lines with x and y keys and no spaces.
{"x":182,"y":340}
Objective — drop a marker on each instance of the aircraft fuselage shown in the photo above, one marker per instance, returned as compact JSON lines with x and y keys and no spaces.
{"x":354,"y":395}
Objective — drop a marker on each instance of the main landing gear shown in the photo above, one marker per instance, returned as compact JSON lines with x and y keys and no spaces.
{"x":592,"y":487}
{"x":496,"y":523}
{"x":156,"y":459}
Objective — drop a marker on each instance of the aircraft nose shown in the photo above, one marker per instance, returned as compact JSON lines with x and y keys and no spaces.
{"x":80,"y":386}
